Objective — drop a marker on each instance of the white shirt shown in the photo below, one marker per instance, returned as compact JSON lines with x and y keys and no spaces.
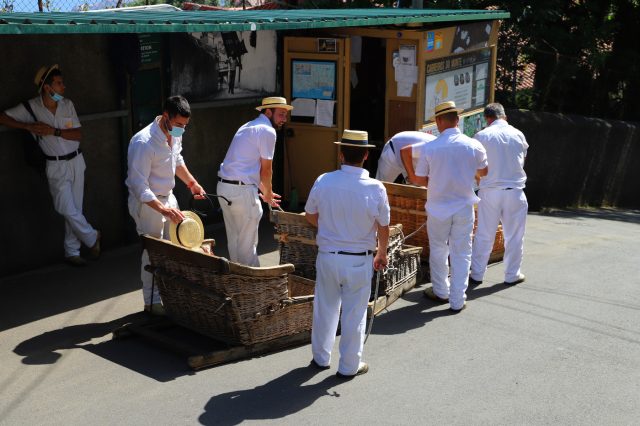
{"x":506,"y":149}
{"x":402,"y":139}
{"x":64,"y":118}
{"x":253,"y":141}
{"x":451,"y":162}
{"x":152,"y":163}
{"x":349,"y":204}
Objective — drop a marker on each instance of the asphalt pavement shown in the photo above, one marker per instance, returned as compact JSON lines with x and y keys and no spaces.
{"x":561,"y":348}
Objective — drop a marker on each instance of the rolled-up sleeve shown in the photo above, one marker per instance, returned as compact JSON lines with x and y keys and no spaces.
{"x":312,"y":200}
{"x":384,"y":211}
{"x":266,"y":141}
{"x":139,"y":168}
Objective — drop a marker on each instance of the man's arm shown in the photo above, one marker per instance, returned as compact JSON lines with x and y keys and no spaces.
{"x":266,"y":173}
{"x":38,"y":128}
{"x":419,"y":180}
{"x":74,"y":134}
{"x":312,"y":218}
{"x":380,"y":261}
{"x":185,"y":176}
{"x":406,"y":155}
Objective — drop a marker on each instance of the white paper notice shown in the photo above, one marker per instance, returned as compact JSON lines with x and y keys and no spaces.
{"x":404,"y":88}
{"x":407,"y":73}
{"x":324,"y":113}
{"x":303,"y":107}
{"x":408,"y":54}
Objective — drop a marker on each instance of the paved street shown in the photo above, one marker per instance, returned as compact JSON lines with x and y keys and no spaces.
{"x":562,"y":348}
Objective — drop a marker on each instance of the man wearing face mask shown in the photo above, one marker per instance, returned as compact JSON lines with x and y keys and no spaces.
{"x":154,"y":160}
{"x":52,"y":120}
{"x":245,"y":170}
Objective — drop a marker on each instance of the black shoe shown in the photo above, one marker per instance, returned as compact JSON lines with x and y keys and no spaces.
{"x":362,"y":369}
{"x":519,"y":280}
{"x":317,"y":366}
{"x":473,"y":283}
{"x":457,"y":311}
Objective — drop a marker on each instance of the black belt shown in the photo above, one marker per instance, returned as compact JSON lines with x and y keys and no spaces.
{"x":392,"y":148}
{"x":348,"y":253}
{"x":232,"y":182}
{"x":68,"y":156}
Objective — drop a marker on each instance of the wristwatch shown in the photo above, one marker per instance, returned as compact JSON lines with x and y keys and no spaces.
{"x":57,"y":132}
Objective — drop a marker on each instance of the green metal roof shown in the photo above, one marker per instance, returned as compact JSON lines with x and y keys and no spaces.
{"x":147,"y":21}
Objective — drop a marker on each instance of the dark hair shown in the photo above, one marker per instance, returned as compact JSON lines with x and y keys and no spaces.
{"x":177,"y":105}
{"x":494,"y":110}
{"x":449,"y":116}
{"x":353,"y":154}
{"x":54,"y":73}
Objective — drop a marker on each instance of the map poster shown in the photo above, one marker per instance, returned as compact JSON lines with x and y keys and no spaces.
{"x":313,"y":79}
{"x":463,"y":79}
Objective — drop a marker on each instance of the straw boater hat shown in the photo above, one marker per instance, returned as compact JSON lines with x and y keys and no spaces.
{"x":274,"y":102}
{"x":445,"y":107}
{"x":189,"y":233}
{"x":42,"y":75}
{"x":356,"y":138}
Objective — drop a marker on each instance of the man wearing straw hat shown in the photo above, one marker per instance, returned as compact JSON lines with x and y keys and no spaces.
{"x":154,"y":159}
{"x":53,"y":121}
{"x":391,"y":163}
{"x":448,"y":167}
{"x":245,"y":177}
{"x":502,"y":197}
{"x":349,"y":209}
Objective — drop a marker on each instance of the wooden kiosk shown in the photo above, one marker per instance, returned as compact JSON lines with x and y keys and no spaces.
{"x":382,"y":80}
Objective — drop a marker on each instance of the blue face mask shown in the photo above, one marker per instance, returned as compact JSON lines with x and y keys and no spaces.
{"x":176,"y":131}
{"x":56,"y":97}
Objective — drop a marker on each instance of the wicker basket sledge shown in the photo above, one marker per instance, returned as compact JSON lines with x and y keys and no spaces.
{"x":408,"y":208}
{"x":227,"y":301}
{"x":297,"y":244}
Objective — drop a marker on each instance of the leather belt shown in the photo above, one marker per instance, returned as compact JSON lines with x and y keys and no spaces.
{"x":348,"y":253}
{"x":232,"y":182}
{"x":68,"y":156}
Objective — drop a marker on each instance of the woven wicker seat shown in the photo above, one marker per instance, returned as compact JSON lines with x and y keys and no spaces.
{"x":227,"y":301}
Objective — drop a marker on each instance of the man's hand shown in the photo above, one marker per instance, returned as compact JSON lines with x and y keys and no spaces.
{"x":272,"y":199}
{"x":41,"y":129}
{"x":197,"y":191}
{"x":380,"y":261}
{"x":174,"y":215}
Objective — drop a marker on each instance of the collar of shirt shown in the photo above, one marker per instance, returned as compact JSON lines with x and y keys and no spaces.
{"x":355,"y":171}
{"x":499,"y":122}
{"x":156,"y":133}
{"x":450,"y":132}
{"x":263,"y":119}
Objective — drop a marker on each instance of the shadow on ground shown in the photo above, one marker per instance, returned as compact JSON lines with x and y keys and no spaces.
{"x":629,"y":216}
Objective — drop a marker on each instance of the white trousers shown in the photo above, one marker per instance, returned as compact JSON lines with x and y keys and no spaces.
{"x":241,"y":221}
{"x":509,"y":207}
{"x":66,"y":184}
{"x":150,"y":222}
{"x":341,"y":280}
{"x":388,"y":169}
{"x":451,"y":237}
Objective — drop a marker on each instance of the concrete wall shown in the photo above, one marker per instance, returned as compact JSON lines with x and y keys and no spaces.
{"x":580,"y":161}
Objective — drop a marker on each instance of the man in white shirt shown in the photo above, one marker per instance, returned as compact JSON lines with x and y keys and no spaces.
{"x":502,"y":197}
{"x":246,"y":170}
{"x":349,"y":209}
{"x":154,"y":160}
{"x":391,"y":164}
{"x":448,"y":168}
{"x":52,"y":120}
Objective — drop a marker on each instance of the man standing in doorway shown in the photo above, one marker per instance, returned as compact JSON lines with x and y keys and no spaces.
{"x":245,"y":170}
{"x":391,"y":164}
{"x":502,"y":198}
{"x":448,"y":168}
{"x":349,"y":209}
{"x":53,"y":121}
{"x":154,"y":160}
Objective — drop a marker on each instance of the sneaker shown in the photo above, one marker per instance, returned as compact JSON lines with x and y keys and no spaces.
{"x":155,"y":309}
{"x":317,"y":366}
{"x":457,"y":311}
{"x":429,"y":294}
{"x":75,"y":261}
{"x":473,"y":282}
{"x":518,"y":280}
{"x":94,"y":252}
{"x":362,"y":369}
